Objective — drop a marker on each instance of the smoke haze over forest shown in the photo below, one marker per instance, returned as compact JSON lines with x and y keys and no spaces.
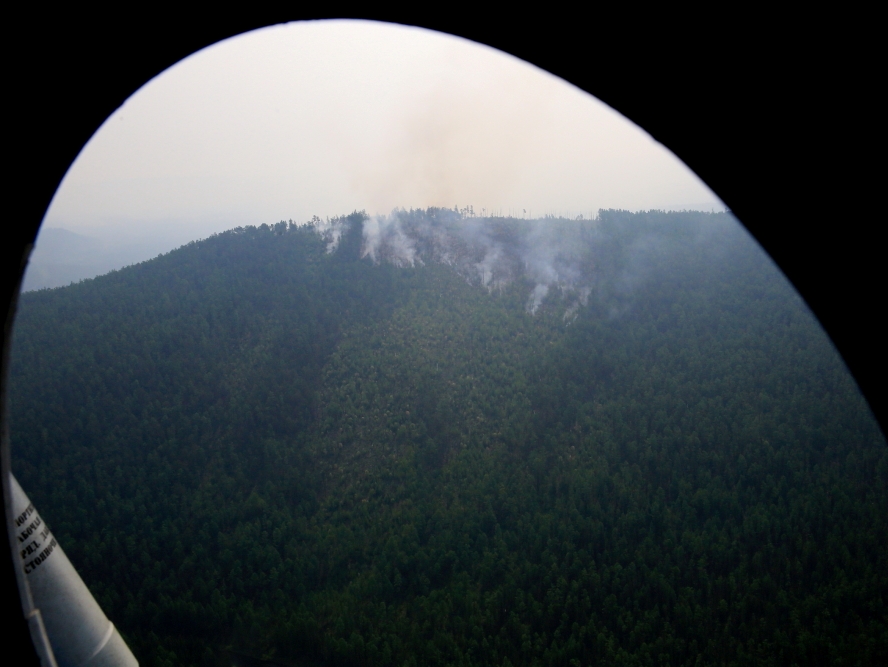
{"x":552,"y":253}
{"x":313,"y":118}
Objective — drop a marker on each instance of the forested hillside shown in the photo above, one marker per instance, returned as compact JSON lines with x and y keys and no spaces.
{"x":432,"y":439}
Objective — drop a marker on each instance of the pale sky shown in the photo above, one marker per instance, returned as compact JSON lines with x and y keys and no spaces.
{"x":325,"y":117}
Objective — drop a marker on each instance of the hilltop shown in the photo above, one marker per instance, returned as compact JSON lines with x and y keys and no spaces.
{"x":433,"y":439}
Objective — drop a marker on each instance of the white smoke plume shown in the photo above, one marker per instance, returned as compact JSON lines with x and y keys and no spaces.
{"x":330,"y":229}
{"x":536,"y":298}
{"x":491,"y":252}
{"x":609,"y":256}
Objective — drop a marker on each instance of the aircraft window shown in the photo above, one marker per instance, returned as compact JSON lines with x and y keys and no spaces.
{"x":403,"y":351}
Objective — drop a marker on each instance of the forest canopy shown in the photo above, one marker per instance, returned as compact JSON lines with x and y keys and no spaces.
{"x":435,"y":439}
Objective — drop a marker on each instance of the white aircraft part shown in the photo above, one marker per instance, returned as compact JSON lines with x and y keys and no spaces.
{"x":79,"y":632}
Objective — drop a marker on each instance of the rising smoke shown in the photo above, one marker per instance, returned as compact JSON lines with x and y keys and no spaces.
{"x":609,"y":256}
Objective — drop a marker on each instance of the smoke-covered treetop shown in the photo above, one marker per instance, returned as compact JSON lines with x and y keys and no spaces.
{"x":611,"y":253}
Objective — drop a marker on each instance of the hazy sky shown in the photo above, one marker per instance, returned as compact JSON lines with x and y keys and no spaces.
{"x":321,"y":118}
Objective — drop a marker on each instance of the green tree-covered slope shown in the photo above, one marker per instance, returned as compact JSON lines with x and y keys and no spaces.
{"x":437,"y":440}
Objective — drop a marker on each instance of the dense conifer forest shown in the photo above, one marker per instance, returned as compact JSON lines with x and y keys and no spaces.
{"x":439,"y":440}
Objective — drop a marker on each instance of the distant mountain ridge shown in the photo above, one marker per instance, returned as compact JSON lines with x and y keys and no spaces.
{"x":62,"y":256}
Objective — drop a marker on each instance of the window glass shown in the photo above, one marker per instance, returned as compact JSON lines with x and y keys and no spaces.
{"x":351,"y":343}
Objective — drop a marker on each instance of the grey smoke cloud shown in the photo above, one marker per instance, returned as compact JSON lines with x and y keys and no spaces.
{"x":493,"y":253}
{"x":608,"y":257}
